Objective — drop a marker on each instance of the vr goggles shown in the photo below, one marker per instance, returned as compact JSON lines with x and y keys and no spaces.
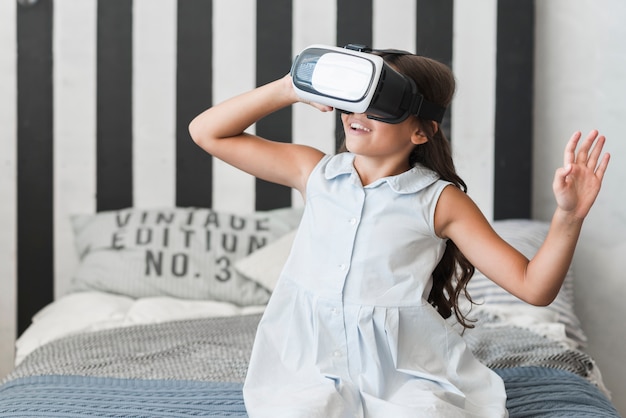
{"x":354,"y":80}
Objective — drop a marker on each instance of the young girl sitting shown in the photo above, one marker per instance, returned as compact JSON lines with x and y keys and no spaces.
{"x":387,"y":243}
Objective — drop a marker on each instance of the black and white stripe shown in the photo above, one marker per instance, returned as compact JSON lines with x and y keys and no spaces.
{"x":114,"y":105}
{"x":103,"y":92}
{"x":194,"y":89}
{"x":514,"y":110}
{"x":35,"y":146}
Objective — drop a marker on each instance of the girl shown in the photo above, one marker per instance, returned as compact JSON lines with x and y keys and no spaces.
{"x":355,"y":326}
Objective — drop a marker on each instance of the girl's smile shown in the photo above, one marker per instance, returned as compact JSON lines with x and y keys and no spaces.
{"x":355,"y":126}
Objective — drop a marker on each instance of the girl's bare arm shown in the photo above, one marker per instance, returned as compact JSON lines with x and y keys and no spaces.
{"x":537,"y":281}
{"x":220,"y":131}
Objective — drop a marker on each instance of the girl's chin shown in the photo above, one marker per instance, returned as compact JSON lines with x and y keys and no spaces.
{"x":351,"y":143}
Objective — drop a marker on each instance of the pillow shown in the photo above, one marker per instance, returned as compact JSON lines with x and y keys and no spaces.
{"x":264,"y":266}
{"x":527,"y":236}
{"x":186,"y":253}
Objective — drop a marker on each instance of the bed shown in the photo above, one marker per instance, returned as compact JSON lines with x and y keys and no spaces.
{"x":164,"y":306}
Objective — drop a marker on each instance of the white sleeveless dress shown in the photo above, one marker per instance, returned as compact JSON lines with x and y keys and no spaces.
{"x":348,"y":331}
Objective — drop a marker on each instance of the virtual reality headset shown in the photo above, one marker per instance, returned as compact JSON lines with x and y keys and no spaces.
{"x":354,"y":79}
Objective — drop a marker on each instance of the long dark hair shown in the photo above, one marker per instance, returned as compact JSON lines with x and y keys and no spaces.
{"x":436,"y":82}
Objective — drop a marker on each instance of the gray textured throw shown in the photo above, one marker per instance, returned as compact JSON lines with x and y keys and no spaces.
{"x":212,"y":349}
{"x":218,"y":349}
{"x":503,"y":346}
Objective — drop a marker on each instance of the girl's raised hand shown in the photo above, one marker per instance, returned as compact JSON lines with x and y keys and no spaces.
{"x":286,"y":80}
{"x":577,"y":184}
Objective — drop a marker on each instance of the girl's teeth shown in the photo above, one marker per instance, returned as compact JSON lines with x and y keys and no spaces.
{"x":360,"y":127}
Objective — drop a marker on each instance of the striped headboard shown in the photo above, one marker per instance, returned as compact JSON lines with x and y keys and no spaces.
{"x":104,"y":91}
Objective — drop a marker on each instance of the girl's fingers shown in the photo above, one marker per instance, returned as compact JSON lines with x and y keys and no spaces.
{"x":570,"y":149}
{"x":589,"y":151}
{"x":583,"y":152}
{"x":601,"y":169}
{"x":596,"y":151}
{"x":322,"y":108}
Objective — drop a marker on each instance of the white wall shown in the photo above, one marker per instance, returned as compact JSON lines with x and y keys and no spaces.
{"x":581,"y":85}
{"x":473,"y":106}
{"x":8,"y":215}
{"x":8,"y":131}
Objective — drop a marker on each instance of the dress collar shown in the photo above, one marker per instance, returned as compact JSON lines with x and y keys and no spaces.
{"x":411,"y":181}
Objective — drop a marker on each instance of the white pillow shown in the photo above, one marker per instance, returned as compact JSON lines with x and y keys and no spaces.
{"x":264,"y":266}
{"x":527,"y":236}
{"x":77,"y":312}
{"x":186,"y":253}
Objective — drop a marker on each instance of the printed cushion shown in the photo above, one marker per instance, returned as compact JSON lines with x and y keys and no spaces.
{"x":179,"y":252}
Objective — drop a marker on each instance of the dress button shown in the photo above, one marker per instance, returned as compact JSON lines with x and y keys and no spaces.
{"x":343,"y":267}
{"x":352,"y":221}
{"x":337,"y":353}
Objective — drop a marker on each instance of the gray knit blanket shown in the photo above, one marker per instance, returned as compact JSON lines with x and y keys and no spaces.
{"x":218,"y":349}
{"x":210,"y":349}
{"x":196,"y":368}
{"x":502,"y":346}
